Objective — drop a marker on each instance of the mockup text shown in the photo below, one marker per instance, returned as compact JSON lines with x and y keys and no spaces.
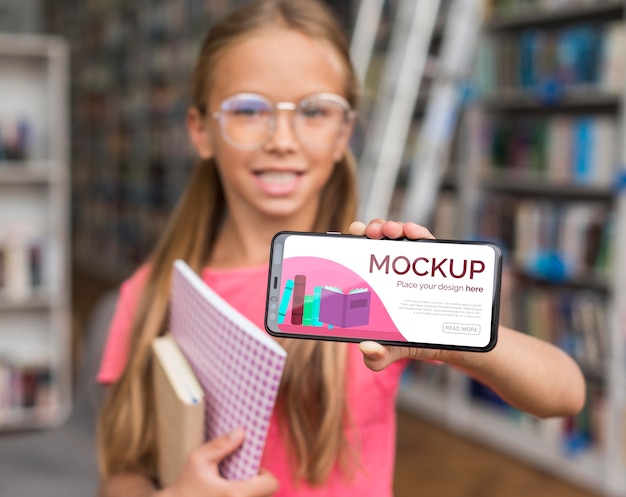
{"x":424,"y":266}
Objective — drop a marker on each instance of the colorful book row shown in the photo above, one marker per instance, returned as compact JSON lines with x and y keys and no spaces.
{"x":26,"y":265}
{"x":548,"y":60}
{"x":24,"y":386}
{"x":574,"y":320}
{"x":326,"y":306}
{"x":562,"y":149}
{"x":556,"y":241}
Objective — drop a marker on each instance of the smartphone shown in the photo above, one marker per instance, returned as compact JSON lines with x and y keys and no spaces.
{"x":425,"y":293}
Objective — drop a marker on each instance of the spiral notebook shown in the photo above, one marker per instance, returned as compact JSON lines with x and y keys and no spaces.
{"x":238,"y":365}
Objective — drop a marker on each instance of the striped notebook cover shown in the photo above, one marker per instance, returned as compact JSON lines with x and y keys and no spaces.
{"x":238,"y":365}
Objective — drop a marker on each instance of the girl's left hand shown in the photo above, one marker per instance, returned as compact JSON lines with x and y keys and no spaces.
{"x":375,"y":355}
{"x":379,"y":228}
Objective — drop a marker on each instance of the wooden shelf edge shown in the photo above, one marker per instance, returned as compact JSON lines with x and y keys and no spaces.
{"x":535,"y":16}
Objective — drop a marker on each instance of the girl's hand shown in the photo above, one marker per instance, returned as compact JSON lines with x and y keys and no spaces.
{"x":379,"y":228}
{"x":375,"y":355}
{"x":200,"y":476}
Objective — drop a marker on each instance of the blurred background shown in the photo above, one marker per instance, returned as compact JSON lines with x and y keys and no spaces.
{"x":499,"y":120}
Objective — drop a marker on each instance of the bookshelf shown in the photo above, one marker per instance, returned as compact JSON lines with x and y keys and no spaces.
{"x":35,"y":334}
{"x":130,"y":153}
{"x":542,"y":174}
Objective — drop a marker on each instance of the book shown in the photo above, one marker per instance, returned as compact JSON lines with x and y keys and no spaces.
{"x":238,"y":365}
{"x":345,"y":309}
{"x":297,"y":307}
{"x":179,"y":407}
{"x":284,"y":302}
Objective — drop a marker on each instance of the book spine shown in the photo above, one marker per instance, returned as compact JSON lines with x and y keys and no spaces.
{"x":284,"y":301}
{"x":582,"y":151}
{"x":297,"y":307}
{"x":315,"y":308}
{"x":307,"y":311}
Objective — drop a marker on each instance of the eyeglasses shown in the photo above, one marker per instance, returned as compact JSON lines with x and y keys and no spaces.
{"x":247,"y":120}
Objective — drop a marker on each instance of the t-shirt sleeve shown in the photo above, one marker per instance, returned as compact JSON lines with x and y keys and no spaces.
{"x":115,"y":354}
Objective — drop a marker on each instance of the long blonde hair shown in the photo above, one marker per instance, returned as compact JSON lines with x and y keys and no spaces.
{"x":311,"y":403}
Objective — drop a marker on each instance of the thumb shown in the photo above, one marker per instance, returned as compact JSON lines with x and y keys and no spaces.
{"x":218,"y":448}
{"x":376,"y":356}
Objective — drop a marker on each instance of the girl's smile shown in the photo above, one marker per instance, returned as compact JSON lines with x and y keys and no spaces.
{"x":278,"y":183}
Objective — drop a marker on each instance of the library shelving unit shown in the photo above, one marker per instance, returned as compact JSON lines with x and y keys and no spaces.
{"x":130,"y":154}
{"x":545,"y":148}
{"x":35,"y":334}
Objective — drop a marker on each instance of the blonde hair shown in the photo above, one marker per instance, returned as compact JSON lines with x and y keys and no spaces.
{"x":312,"y":402}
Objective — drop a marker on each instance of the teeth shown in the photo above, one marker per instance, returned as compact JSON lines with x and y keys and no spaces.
{"x":277,"y":176}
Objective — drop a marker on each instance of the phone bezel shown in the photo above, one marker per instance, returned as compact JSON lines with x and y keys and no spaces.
{"x":275,"y":275}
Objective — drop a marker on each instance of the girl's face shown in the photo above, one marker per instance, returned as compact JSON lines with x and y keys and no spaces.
{"x":282,"y":177}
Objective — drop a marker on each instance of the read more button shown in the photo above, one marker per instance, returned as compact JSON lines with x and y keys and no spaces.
{"x":462,"y":328}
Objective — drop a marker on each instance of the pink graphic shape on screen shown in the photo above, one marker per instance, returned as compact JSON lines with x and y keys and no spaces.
{"x":239,"y":373}
{"x":367,"y":318}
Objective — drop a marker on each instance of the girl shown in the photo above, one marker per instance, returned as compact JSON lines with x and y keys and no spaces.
{"x":274,"y":95}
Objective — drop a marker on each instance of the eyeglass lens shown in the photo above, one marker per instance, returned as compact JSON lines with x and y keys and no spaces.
{"x":249,"y":120}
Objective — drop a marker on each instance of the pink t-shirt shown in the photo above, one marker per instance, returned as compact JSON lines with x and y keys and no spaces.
{"x":371,"y":396}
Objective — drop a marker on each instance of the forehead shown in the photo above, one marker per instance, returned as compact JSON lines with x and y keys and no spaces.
{"x":279,"y":63}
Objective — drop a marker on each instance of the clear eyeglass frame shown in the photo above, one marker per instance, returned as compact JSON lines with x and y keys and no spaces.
{"x":248,"y":120}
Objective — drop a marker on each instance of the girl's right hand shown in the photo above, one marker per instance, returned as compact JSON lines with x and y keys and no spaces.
{"x":200,"y":476}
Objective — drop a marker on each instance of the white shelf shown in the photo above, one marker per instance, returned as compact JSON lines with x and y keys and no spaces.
{"x":524,"y":184}
{"x":35,"y":325}
{"x":38,"y":301}
{"x":569,"y":12}
{"x":485,"y":426}
{"x":29,"y":418}
{"x":34,"y":173}
{"x":541,"y":99}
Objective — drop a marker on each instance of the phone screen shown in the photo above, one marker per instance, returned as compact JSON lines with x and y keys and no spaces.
{"x":433,"y":293}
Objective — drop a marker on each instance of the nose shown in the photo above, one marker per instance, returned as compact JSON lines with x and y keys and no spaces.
{"x":283,"y":136}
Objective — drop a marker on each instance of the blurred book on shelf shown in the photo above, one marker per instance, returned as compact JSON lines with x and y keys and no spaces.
{"x":29,"y":263}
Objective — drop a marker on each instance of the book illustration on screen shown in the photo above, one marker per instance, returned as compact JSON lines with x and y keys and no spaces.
{"x":297,"y":306}
{"x":327,"y":305}
{"x":284,"y":301}
{"x":345,"y":309}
